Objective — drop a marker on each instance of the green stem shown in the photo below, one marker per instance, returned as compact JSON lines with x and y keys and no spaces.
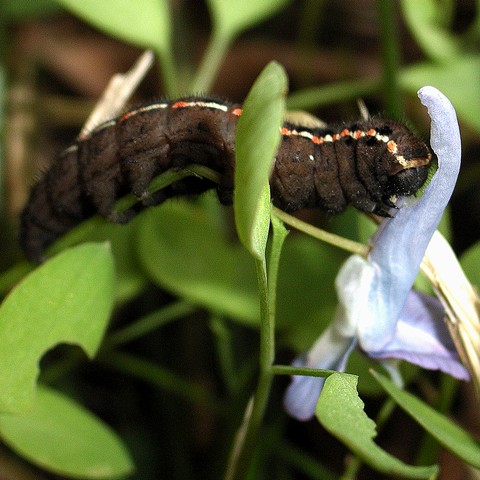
{"x":331,"y":238}
{"x":211,"y":62}
{"x":279,"y":235}
{"x":247,"y":436}
{"x":309,"y":98}
{"x":303,"y":462}
{"x":246,"y":439}
{"x":168,"y":72}
{"x":307,"y":372}
{"x":159,"y":377}
{"x":267,"y":326}
{"x":390,"y":57}
{"x":148,"y":323}
{"x":167,"y":178}
{"x":223,"y":343}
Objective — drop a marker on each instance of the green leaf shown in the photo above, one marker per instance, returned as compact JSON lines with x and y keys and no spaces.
{"x":67,"y":299}
{"x":60,"y":436}
{"x":185,"y":251}
{"x":233,"y":17}
{"x":452,"y":437}
{"x":146,"y":23}
{"x":306,"y":298}
{"x":426,"y":22}
{"x":130,"y":279}
{"x":340,"y":411}
{"x":445,"y":77}
{"x":17,"y":10}
{"x":470,"y":262}
{"x":360,"y":364}
{"x":257,"y":140}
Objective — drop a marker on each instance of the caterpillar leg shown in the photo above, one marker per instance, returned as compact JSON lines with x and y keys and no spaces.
{"x":139,"y":170}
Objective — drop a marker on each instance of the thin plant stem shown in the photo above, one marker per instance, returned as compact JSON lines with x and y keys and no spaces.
{"x":160,"y":377}
{"x":279,"y":235}
{"x":302,"y":461}
{"x":148,"y":323}
{"x":390,"y":57}
{"x":211,"y":62}
{"x":312,"y":14}
{"x":313,"y":97}
{"x":168,"y":72}
{"x":304,"y":371}
{"x":167,"y":178}
{"x":327,"y":237}
{"x":247,"y":436}
{"x":225,"y":354}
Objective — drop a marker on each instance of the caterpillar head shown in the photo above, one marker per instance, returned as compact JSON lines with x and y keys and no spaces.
{"x":409,"y":160}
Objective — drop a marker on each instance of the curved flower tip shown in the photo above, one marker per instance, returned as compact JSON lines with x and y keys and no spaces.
{"x":401,"y":242}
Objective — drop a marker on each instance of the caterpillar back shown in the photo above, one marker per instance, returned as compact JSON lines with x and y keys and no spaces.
{"x":361,"y":164}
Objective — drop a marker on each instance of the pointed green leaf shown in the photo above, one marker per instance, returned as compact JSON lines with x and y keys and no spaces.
{"x":233,"y":17}
{"x":452,"y":437}
{"x":340,"y":411}
{"x":257,"y":140}
{"x":146,"y":23}
{"x":66,"y":300}
{"x":60,"y":436}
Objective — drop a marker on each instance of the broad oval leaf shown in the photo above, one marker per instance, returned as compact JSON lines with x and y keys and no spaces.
{"x":340,"y":411}
{"x":233,"y":17}
{"x":185,"y":251}
{"x":130,"y":279}
{"x":306,"y":298}
{"x":66,"y":300}
{"x":60,"y":436}
{"x":257,"y":139}
{"x":146,"y":23}
{"x":452,"y":437}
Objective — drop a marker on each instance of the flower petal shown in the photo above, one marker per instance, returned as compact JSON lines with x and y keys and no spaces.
{"x":422,"y":337}
{"x":401,"y":241}
{"x":373,"y":307}
{"x":302,"y":395}
{"x":330,"y":352}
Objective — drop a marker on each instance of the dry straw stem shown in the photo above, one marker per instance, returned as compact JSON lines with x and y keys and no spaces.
{"x":460,"y":300}
{"x":117,"y":93}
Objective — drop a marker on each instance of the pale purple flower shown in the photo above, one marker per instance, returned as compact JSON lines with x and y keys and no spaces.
{"x":377,"y":309}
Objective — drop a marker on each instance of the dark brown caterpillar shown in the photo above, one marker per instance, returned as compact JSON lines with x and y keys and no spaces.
{"x":362,"y":164}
